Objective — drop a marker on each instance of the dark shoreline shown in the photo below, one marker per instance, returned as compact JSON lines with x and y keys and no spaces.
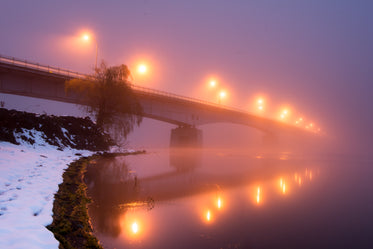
{"x":71,"y":224}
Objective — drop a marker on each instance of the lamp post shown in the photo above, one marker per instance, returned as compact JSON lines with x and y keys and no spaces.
{"x":96,"y":55}
{"x":87,"y":37}
{"x":142,"y":68}
{"x":260,"y":104}
{"x":222,"y":95}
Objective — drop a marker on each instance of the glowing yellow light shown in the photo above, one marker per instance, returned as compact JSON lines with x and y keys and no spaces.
{"x":219,"y":203}
{"x":311,"y":175}
{"x":284,"y":113}
{"x":260,"y":103}
{"x":300,"y":181}
{"x":282,"y":185}
{"x":135,"y":227}
{"x":85,"y":37}
{"x":222,"y":94}
{"x":212,"y":83}
{"x":208,"y":215}
{"x":258,"y":195}
{"x":142,"y":68}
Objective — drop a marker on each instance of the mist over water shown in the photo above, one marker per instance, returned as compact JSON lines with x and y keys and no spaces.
{"x":154,"y":134}
{"x":221,"y":198}
{"x":314,"y":56}
{"x":151,"y":134}
{"x":234,"y":192}
{"x":238,"y":190}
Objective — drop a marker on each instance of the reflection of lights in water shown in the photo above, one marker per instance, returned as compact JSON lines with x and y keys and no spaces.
{"x":282,"y":186}
{"x":135,"y":227}
{"x":219,"y":203}
{"x":208,"y":215}
{"x":258,"y":195}
{"x":300,"y":181}
{"x":295,"y":176}
{"x":311,"y":175}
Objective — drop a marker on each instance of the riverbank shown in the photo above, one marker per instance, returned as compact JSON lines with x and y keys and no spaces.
{"x":35,"y":150}
{"x":71,"y":223}
{"x":29,"y":178}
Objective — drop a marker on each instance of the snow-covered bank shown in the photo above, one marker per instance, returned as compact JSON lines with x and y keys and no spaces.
{"x":29,"y":177}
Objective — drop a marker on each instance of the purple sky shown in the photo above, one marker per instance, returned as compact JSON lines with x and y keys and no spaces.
{"x":316,"y":56}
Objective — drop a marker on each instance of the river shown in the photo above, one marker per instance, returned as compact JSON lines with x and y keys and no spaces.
{"x":231,"y":199}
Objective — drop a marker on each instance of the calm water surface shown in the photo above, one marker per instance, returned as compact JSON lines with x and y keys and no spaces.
{"x":231,"y":199}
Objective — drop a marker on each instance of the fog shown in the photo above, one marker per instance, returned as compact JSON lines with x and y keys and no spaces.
{"x":315,"y":57}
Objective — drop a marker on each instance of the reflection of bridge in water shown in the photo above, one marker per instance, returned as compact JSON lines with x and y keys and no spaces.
{"x":117,"y":189}
{"x":114,"y":183}
{"x":34,"y":80}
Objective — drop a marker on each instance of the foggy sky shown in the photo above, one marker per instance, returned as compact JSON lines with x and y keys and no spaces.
{"x":316,"y":55}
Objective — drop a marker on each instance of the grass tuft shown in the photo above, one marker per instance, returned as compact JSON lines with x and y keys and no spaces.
{"x":71,"y":225}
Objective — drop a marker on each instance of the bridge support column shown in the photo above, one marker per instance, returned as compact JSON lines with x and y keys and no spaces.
{"x":186,"y":136}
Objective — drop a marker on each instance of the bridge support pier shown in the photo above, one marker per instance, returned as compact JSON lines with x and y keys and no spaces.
{"x":186,"y":136}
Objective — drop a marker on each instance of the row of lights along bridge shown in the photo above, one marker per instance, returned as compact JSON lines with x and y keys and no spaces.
{"x":259,"y":107}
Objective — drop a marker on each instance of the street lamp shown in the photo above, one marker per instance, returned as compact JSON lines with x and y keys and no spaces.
{"x":284,"y":114}
{"x":87,"y":37}
{"x":142,"y":68}
{"x":222,"y":95}
{"x":260,"y":104}
{"x":212,"y":83}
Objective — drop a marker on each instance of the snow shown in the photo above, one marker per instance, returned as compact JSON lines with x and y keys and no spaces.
{"x":29,"y":178}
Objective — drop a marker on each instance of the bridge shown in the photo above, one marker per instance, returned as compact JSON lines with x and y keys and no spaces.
{"x":20,"y":77}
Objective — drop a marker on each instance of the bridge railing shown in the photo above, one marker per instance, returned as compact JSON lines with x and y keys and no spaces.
{"x":181,"y":97}
{"x":36,"y":66}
